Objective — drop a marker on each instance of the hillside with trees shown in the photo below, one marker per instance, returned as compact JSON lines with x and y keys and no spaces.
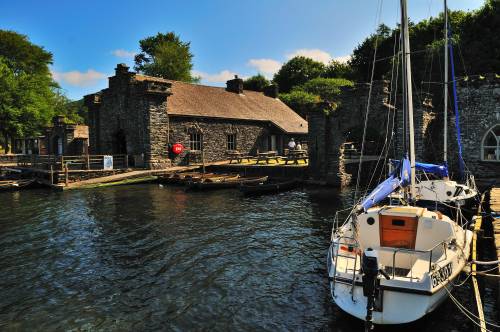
{"x":474,"y":36}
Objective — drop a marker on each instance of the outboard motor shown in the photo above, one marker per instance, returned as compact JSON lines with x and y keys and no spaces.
{"x":371,"y":283}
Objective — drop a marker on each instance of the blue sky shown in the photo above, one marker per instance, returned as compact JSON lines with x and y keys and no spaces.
{"x":88,"y":38}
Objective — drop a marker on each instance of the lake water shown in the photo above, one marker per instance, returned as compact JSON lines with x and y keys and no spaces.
{"x":145,"y":257}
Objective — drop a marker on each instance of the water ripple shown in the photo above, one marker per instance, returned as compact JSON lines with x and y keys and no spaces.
{"x":146,"y":258}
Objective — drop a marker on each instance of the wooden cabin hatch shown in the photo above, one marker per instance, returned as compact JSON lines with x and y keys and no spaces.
{"x":398,"y":231}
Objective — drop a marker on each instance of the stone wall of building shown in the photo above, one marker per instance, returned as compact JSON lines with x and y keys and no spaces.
{"x":250,"y":137}
{"x":130,"y":117}
{"x":479,"y":110}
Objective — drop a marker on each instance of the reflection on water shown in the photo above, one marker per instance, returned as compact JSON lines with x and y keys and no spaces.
{"x":149,"y":258}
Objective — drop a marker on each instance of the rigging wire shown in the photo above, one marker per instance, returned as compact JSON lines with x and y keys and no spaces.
{"x":378,"y":20}
{"x":385,"y":147}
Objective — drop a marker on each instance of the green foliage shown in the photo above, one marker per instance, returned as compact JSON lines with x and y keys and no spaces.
{"x":297,"y":71}
{"x":336,"y":69}
{"x":255,"y":83}
{"x":299,"y":100}
{"x":165,"y":55}
{"x":73,"y":111}
{"x":475,"y":40}
{"x":26,"y":87}
{"x":21,"y":56}
{"x":326,"y":88}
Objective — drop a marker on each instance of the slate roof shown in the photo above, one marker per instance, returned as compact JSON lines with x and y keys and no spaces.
{"x":215,"y":102}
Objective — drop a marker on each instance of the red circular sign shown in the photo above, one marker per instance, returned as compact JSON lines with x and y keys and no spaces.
{"x":177,"y":148}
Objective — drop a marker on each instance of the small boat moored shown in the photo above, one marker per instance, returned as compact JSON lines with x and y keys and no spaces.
{"x":268,"y":187}
{"x":224,"y":183}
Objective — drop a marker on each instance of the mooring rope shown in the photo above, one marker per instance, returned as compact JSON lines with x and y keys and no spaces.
{"x":468,"y":313}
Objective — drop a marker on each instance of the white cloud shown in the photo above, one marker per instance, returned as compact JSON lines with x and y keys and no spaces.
{"x":315,"y":54}
{"x":342,"y":59}
{"x":77,"y":78}
{"x":220,"y":77}
{"x":121,"y":53}
{"x":265,"y":66}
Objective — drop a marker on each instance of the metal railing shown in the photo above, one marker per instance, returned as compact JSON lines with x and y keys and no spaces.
{"x":82,"y":162}
{"x":413,"y":252}
{"x":355,"y":247}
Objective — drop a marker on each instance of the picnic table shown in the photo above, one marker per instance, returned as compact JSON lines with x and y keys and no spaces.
{"x":269,"y":155}
{"x":295,"y":156}
{"x":237,"y":156}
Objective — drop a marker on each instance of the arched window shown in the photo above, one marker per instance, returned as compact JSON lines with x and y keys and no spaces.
{"x":490,"y":149}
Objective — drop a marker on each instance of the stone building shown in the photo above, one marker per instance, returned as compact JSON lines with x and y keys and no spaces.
{"x":143,"y":116}
{"x":61,"y":138}
{"x":479,"y":110}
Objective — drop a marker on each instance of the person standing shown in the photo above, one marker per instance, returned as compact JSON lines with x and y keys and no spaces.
{"x":291,"y":144}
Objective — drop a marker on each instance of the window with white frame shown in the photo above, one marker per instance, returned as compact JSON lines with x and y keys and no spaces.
{"x":490,"y":149}
{"x":196,"y":141}
{"x":231,"y":141}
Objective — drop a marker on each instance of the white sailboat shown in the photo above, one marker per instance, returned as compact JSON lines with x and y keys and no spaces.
{"x":394,"y":264}
{"x":443,"y":189}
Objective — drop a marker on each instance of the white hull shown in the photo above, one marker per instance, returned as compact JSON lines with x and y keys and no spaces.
{"x":416,"y":277}
{"x":398,"y":307}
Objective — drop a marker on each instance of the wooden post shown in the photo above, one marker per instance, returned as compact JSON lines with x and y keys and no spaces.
{"x":67,"y":175}
{"x":51,"y":174}
{"x":126,"y":161}
{"x":62,"y":163}
{"x":203,"y":160}
{"x":88,"y":161}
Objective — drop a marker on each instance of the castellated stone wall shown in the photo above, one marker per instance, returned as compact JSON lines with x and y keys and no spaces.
{"x":479,"y":111}
{"x":327,"y":132}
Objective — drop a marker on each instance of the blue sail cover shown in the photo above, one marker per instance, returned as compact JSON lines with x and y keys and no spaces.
{"x":385,"y":188}
{"x":382,"y":191}
{"x":439,"y":170}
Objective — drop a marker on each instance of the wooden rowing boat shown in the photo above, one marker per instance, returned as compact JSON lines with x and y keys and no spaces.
{"x":225,"y":183}
{"x":15,"y":184}
{"x":268,"y":187}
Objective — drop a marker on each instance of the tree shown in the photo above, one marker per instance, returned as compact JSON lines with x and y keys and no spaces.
{"x":26,"y":87}
{"x":73,"y":111}
{"x":297,"y":71}
{"x":336,"y":69}
{"x":326,"y":88}
{"x":165,"y":55}
{"x":255,"y":83}
{"x":300,"y":101}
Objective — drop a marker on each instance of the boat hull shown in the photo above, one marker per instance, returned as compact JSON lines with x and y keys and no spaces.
{"x":398,"y":307}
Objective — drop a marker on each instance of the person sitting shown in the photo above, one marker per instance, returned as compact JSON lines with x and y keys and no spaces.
{"x":298,"y":146}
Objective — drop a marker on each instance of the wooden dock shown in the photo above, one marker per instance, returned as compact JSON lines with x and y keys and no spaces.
{"x":495,"y":212}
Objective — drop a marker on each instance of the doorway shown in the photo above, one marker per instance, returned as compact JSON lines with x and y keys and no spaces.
{"x":273,"y":143}
{"x":119,"y":143}
{"x":57,"y":145}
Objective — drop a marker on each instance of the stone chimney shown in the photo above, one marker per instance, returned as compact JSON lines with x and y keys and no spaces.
{"x":121,"y":69}
{"x":271,"y":91}
{"x":235,"y":85}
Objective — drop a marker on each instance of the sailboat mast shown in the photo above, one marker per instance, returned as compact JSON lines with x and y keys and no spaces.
{"x":407,"y":84}
{"x":445,"y":110}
